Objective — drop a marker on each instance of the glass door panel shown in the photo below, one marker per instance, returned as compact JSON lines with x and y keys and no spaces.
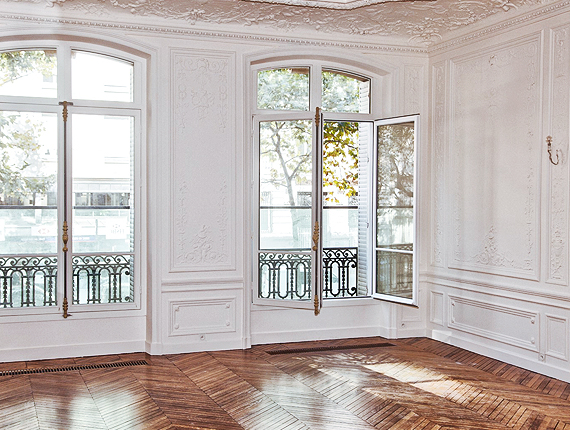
{"x":340,"y":168}
{"x":395,"y":210}
{"x":102,"y":196}
{"x":28,"y":209}
{"x":286,"y":214}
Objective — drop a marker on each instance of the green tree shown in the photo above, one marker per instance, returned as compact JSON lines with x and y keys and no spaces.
{"x":19,"y":136}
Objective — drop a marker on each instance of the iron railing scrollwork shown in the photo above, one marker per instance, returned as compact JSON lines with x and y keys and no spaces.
{"x":339,"y":272}
{"x":288,"y":276}
{"x":284,"y":276}
{"x":102,"y":278}
{"x":28,"y":281}
{"x":31,"y":281}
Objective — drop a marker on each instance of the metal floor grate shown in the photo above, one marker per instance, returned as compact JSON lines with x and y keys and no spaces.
{"x":72,"y":367}
{"x":328,"y":348}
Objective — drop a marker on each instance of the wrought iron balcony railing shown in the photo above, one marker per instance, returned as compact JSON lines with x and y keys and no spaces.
{"x":288,"y":276}
{"x":27,"y":281}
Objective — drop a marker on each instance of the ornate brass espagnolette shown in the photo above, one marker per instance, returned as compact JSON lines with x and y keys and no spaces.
{"x":316,"y":235}
{"x":317,"y":303}
{"x":549,"y":142}
{"x":65,"y":236}
{"x":318,"y":117}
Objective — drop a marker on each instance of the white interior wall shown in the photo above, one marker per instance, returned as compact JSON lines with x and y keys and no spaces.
{"x":499,"y":251}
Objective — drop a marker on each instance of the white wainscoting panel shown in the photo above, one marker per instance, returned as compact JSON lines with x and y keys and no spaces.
{"x":509,"y":325}
{"x":495,"y":152}
{"x":436,"y":307}
{"x":557,"y":337}
{"x":203,"y":174}
{"x":202,"y":316}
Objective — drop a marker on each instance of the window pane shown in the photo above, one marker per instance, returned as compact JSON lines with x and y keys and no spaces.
{"x":345,"y":92}
{"x":394,"y":273}
{"x":395,"y":184}
{"x":28,"y":190}
{"x":285,"y":169}
{"x":100,"y":77}
{"x":102,"y":183}
{"x":30,"y":73}
{"x":283,"y":89}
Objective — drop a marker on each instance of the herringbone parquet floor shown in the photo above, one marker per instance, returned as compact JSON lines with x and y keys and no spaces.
{"x":412,"y":384}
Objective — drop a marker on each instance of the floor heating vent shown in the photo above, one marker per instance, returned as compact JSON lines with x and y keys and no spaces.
{"x":13,"y":372}
{"x":328,"y":348}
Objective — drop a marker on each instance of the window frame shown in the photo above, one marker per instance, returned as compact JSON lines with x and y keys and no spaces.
{"x":135,"y":108}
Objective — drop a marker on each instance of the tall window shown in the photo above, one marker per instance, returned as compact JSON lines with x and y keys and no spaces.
{"x":315,"y":140}
{"x":69,"y":132}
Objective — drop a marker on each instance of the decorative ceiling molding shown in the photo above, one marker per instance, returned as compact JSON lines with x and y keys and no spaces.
{"x":330,"y":4}
{"x":417,"y":22}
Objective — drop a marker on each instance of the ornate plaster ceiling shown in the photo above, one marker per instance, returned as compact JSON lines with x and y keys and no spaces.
{"x":418,"y":21}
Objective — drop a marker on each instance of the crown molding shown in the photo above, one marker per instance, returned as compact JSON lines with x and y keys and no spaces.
{"x":414,"y":22}
{"x":491,"y":30}
{"x":178,"y":31}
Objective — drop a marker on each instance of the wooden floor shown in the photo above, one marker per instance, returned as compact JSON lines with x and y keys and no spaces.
{"x":410,"y":384}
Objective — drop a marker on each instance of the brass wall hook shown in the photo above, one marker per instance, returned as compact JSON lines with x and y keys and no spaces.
{"x":549,"y":142}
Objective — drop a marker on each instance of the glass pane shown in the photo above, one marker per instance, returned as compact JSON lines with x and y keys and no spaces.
{"x":283,"y":89}
{"x":345,"y":92}
{"x":394,"y":273}
{"x":285,"y":170}
{"x":102,"y":183}
{"x":28,"y":211}
{"x":28,"y":189}
{"x":395,"y":192}
{"x":284,"y":276}
{"x":100,"y":77}
{"x":28,"y":73}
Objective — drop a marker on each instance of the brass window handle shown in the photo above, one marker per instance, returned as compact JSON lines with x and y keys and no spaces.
{"x":316,"y":234}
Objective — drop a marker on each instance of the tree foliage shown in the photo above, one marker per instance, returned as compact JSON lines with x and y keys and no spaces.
{"x":288,"y":89}
{"x":396,"y":165}
{"x":19,"y":136}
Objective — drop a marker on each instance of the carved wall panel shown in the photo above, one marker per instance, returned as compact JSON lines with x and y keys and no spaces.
{"x":495,"y":157}
{"x":509,"y":325}
{"x":557,"y":337}
{"x":203,"y":166}
{"x":202,"y":316}
{"x":439,"y":117}
{"x":558,"y":175}
{"x":413,"y":81}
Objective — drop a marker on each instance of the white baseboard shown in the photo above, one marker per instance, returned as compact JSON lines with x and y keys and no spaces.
{"x":501,"y":355}
{"x":68,"y":351}
{"x":183,"y":348}
{"x":318,"y":334}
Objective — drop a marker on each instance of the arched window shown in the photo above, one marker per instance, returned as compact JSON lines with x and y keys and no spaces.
{"x":70,"y":130}
{"x":334,"y":188}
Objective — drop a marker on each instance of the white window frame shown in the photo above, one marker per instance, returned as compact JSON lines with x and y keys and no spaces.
{"x":137,"y":109}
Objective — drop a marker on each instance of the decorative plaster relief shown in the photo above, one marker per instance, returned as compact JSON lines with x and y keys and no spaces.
{"x":557,"y":337}
{"x":512,"y":326}
{"x":413,"y":81}
{"x":495,"y":123}
{"x":188,"y":317}
{"x":203,"y":162}
{"x":419,"y":21}
{"x":438,"y":161}
{"x":558,"y":201}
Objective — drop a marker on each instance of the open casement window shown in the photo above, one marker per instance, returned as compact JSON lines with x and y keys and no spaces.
{"x":70,"y":122}
{"x":395,"y":238}
{"x":288,"y":193}
{"x":317,"y":207}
